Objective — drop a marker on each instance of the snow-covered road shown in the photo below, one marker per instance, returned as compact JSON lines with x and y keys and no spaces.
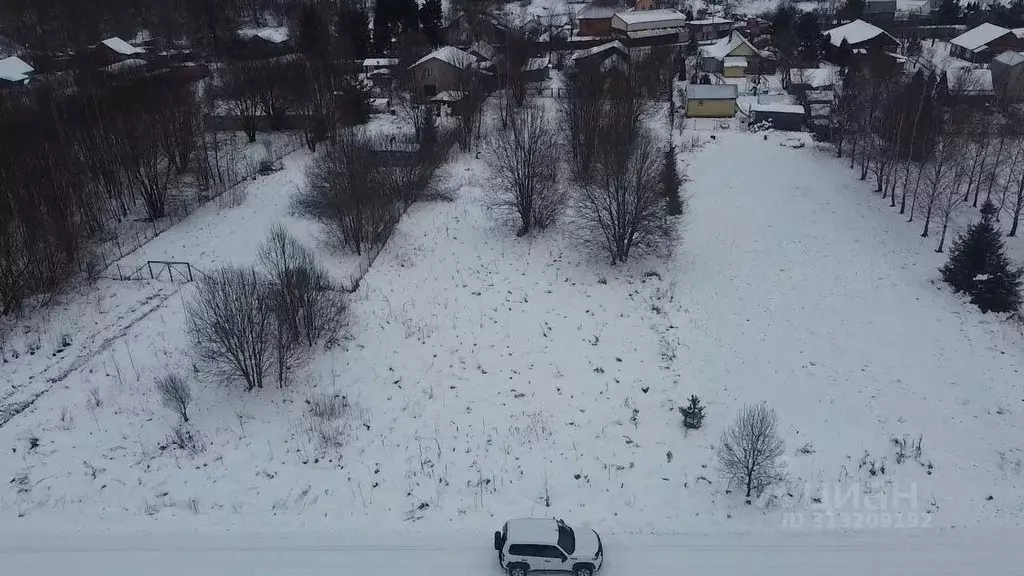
{"x":917,"y":553}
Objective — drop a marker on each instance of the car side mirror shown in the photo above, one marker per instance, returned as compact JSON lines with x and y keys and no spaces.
{"x":497,"y":540}
{"x":564,"y":557}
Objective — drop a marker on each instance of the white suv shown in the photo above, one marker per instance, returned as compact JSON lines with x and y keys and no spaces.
{"x":546,"y":544}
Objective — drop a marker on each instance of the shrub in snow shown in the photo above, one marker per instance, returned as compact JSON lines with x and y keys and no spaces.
{"x":750,"y":448}
{"x":621,"y":207}
{"x":978,"y":266}
{"x":523,"y":160}
{"x":183,"y":437}
{"x":328,"y":422}
{"x":309,"y":305}
{"x":346,"y":192}
{"x":175,"y":394}
{"x":693,"y":413}
{"x":231,"y":322}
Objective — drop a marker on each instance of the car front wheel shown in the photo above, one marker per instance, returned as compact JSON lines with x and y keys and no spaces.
{"x":583,"y":571}
{"x":517,"y":570}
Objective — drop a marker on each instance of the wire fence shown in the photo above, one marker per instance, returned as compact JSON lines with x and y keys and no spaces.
{"x":240,"y":169}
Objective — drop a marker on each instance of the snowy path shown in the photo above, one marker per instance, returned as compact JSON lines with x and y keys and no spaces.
{"x":462,"y":553}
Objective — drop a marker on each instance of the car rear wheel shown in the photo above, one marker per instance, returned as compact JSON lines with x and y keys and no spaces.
{"x":517,"y":570}
{"x":583,"y":571}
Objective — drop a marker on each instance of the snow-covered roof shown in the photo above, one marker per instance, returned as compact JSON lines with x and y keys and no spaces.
{"x":484,"y":49}
{"x":648,"y":19}
{"x":724,"y":46}
{"x":821,"y":110}
{"x":778,"y":108}
{"x":710,"y":21}
{"x":124,"y":65}
{"x":450,"y":55}
{"x":819,"y":96}
{"x":814,"y":77}
{"x":272,"y":34}
{"x":854,"y":32}
{"x":448,"y":96}
{"x":121,"y":47}
{"x":595,"y":12}
{"x":970,"y":81}
{"x":1018,"y":32}
{"x":711,"y":91}
{"x":380,"y":62}
{"x":614,"y":45}
{"x":735,"y":62}
{"x":1010,"y":58}
{"x":535,"y":64}
{"x":532,"y":531}
{"x":979,"y":36}
{"x":15,"y":69}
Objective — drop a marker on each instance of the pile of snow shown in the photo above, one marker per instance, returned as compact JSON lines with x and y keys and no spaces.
{"x":793,"y":143}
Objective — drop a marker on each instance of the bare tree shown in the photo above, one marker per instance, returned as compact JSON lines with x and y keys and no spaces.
{"x":240,"y":90}
{"x":1016,"y":204}
{"x":175,"y":394}
{"x":231,"y":322}
{"x":750,"y":448}
{"x":344,"y":192}
{"x":622,"y":206}
{"x":524,"y":162}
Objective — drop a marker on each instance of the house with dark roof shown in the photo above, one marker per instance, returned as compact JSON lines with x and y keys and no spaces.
{"x":604,"y":57}
{"x":1008,"y":75}
{"x":446,"y":70}
{"x":983,"y":43}
{"x":709,"y":29}
{"x":879,"y":12}
{"x":464,"y":29}
{"x":595,"y":19}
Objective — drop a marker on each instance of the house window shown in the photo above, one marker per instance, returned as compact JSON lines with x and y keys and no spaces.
{"x":428,"y":72}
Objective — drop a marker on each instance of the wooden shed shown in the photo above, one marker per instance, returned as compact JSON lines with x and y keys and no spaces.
{"x":711,"y":100}
{"x":789,"y":117}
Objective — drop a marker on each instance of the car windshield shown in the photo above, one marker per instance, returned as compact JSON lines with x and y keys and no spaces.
{"x":566,"y":539}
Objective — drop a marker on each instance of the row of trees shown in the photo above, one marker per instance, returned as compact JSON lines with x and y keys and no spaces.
{"x":606,"y":172}
{"x":72,"y":165}
{"x":929,"y":151}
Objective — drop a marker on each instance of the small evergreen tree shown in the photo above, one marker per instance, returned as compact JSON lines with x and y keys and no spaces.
{"x":693,"y":414}
{"x":430,"y":20}
{"x":670,"y":180}
{"x":978,"y":266}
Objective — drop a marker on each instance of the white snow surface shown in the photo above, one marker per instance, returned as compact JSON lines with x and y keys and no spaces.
{"x":452,"y":551}
{"x":489,"y":370}
{"x":121,"y":47}
{"x":776,"y":107}
{"x":14,"y":69}
{"x":854,"y":32}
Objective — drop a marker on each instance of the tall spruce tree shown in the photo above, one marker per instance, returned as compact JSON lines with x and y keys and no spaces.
{"x":353,"y":30}
{"x":430,"y":21}
{"x":978,"y":266}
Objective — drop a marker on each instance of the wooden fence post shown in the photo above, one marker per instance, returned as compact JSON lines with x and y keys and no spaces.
{"x":189,"y":267}
{"x":150,"y":266}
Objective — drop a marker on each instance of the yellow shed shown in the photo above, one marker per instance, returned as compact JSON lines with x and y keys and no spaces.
{"x":711,"y":100}
{"x":734,"y":67}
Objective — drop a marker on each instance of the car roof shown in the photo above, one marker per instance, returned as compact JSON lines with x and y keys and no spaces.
{"x":532,"y":531}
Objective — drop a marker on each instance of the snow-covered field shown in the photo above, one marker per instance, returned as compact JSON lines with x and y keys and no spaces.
{"x":493,"y":377}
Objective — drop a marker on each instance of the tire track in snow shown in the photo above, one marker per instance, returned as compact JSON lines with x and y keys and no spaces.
{"x":28,"y":397}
